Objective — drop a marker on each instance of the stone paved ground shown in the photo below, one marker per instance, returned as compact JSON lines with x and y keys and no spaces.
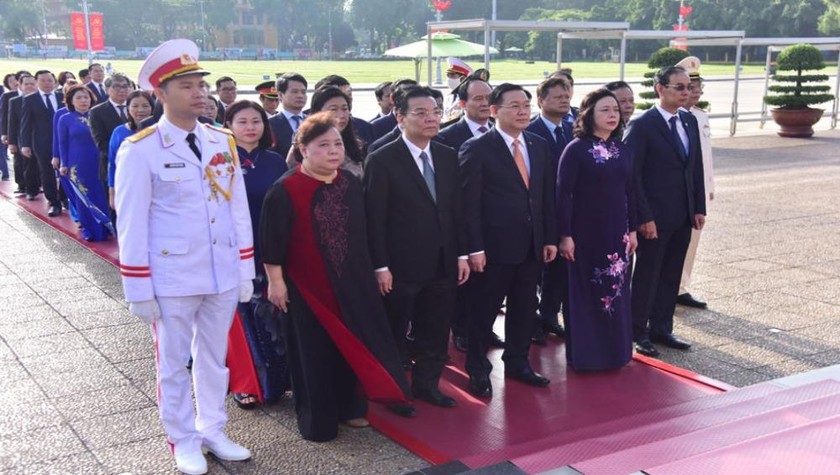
{"x":77,"y":374}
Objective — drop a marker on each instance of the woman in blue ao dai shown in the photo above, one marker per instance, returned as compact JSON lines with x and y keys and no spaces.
{"x":80,"y":162}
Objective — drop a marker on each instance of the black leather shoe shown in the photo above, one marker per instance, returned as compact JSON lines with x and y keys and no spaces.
{"x":645,"y":347}
{"x":402,"y":410}
{"x":461,"y":344}
{"x":689,"y":301}
{"x":670,"y":341}
{"x":20,"y":191}
{"x":538,"y":338}
{"x":496,"y":341}
{"x":480,"y":387}
{"x":527,"y":376}
{"x":31,"y":197}
{"x":434,"y":397}
{"x":54,"y":211}
{"x":555,"y":328}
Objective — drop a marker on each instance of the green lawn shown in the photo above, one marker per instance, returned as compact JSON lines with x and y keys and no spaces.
{"x":358,"y":72}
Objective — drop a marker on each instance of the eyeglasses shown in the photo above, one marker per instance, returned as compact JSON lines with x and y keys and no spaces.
{"x":425,"y":113}
{"x":695,"y":87}
{"x":516,"y":107}
{"x":677,"y":87}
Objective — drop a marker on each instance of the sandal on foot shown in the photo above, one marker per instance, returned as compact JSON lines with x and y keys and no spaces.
{"x":245,"y":401}
{"x":357,"y":423}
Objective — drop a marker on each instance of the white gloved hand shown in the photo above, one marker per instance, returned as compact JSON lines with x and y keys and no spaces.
{"x":147,"y":310}
{"x":246,"y":291}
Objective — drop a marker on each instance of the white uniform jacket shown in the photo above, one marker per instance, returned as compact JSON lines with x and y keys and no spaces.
{"x":706,"y":148}
{"x":184,"y":225}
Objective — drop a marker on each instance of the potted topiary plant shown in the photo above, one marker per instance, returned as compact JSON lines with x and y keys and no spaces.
{"x":792,"y":98}
{"x":661,"y":58}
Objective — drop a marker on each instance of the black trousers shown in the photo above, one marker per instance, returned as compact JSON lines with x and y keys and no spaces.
{"x":461,"y":318}
{"x":48,"y":180}
{"x":554,"y":290}
{"x":429,"y":307}
{"x":31,"y":175}
{"x":325,"y":388}
{"x":517,"y":282}
{"x":656,"y":281}
{"x":19,"y":166}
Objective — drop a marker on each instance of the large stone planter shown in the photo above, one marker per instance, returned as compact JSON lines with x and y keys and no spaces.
{"x":796,"y":122}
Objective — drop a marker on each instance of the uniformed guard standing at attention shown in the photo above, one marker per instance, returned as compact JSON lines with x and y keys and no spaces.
{"x":186,"y":251}
{"x":268,"y":97}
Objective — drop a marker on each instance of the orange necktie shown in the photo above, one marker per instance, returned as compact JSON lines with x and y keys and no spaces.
{"x":520,"y":163}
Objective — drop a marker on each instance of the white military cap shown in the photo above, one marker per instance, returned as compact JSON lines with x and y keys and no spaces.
{"x":458,"y":66}
{"x":691,"y":65}
{"x":172,"y":59}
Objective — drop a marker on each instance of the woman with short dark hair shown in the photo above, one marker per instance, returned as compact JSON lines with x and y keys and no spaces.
{"x":597,"y":223}
{"x":138,"y":106}
{"x":80,"y":163}
{"x":315,"y":252}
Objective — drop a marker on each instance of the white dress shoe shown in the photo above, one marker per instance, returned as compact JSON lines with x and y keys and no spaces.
{"x":191,"y":463}
{"x":226,"y":449}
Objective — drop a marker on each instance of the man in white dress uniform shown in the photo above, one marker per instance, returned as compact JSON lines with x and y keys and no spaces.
{"x":186,"y":251}
{"x":692,"y":65}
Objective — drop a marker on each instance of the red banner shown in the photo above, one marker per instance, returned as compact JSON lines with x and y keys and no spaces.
{"x":97,"y":32}
{"x":77,"y":26}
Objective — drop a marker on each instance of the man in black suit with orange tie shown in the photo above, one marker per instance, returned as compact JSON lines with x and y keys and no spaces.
{"x":670,"y":200}
{"x":417,"y":236}
{"x":554,"y":100}
{"x":291,"y":89}
{"x":511,"y":230}
{"x":37,"y":113}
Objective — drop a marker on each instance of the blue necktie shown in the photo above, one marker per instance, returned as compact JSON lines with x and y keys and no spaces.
{"x":296,"y":119}
{"x":676,"y":135}
{"x":559,"y":135}
{"x":428,"y":175}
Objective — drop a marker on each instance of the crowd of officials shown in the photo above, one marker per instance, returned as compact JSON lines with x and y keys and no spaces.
{"x":356,"y":248}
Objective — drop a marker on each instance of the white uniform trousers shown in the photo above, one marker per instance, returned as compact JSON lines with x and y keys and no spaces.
{"x":198,"y":326}
{"x":688,"y":265}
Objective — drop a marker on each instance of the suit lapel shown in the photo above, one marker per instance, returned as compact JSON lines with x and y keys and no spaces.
{"x":505,"y":156}
{"x":409,"y":166}
{"x":665,"y":129}
{"x":536,"y":164}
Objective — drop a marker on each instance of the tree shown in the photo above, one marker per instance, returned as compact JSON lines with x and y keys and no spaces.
{"x":829,"y":22}
{"x":20,"y":19}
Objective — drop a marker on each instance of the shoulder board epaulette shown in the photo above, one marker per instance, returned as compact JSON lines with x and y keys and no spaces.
{"x":219,"y":129}
{"x":142,"y":134}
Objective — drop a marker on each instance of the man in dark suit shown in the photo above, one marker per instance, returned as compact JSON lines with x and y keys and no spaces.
{"x":474,"y":101}
{"x":417,"y":236}
{"x":97,"y":82}
{"x":386,"y":123}
{"x":670,"y":200}
{"x":36,"y":132}
{"x":11,"y":82}
{"x":397,"y":90}
{"x":382,"y":92}
{"x":12,"y":132}
{"x":509,"y":208}
{"x":554,"y":100}
{"x":291,"y":88}
{"x":107,"y":116}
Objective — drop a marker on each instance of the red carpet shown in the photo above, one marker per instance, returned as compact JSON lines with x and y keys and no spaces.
{"x":648,"y":416}
{"x":106,"y":249}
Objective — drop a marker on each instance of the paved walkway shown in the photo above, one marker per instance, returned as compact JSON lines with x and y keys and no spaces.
{"x":77,"y":373}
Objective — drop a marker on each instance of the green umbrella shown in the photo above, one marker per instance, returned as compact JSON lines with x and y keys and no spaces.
{"x":443,"y":46}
